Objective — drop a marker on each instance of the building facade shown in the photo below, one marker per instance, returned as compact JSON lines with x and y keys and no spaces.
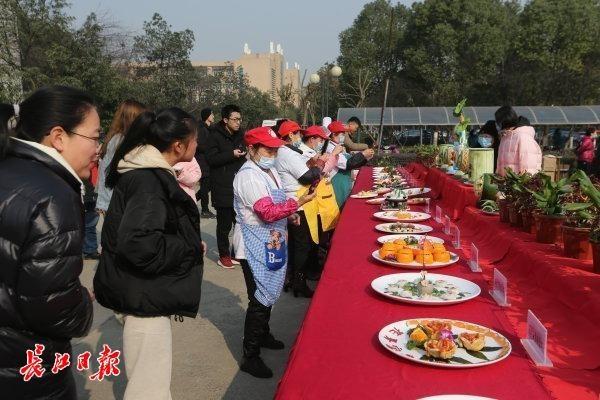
{"x":268,"y":72}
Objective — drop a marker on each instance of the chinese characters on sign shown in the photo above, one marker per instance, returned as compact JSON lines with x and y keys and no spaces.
{"x":536,"y":341}
{"x":108,"y":362}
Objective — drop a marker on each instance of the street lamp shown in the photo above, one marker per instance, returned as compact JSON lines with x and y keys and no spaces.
{"x":334,"y":72}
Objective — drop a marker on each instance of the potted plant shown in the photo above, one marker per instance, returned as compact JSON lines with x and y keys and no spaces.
{"x":526,"y":203}
{"x":586,"y":211}
{"x":549,"y":217}
{"x":517,"y":192}
{"x":506,"y":193}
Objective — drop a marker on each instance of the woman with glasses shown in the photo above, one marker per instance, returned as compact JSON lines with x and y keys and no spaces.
{"x":47,"y":145}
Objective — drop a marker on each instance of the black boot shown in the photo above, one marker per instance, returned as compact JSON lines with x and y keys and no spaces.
{"x":256,"y":367}
{"x":300,"y":288}
{"x":269,"y":342}
{"x":255,"y":328}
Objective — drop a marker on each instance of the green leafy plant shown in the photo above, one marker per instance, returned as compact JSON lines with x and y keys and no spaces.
{"x":585,"y":208}
{"x":549,"y":198}
{"x":489,"y":206}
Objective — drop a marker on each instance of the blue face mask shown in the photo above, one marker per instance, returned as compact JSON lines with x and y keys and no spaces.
{"x":266,"y":162}
{"x":319,"y":147}
{"x":297,"y":143}
{"x":485,"y":141}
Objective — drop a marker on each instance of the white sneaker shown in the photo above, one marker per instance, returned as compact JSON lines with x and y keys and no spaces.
{"x":235,"y":262}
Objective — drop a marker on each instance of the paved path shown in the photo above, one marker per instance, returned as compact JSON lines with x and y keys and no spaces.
{"x":206,"y":350}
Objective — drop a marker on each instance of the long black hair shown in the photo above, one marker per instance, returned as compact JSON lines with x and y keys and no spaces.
{"x":156,"y":129}
{"x":45,"y":109}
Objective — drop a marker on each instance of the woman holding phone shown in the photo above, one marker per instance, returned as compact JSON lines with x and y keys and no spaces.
{"x":260,"y":241}
{"x":296,"y":176}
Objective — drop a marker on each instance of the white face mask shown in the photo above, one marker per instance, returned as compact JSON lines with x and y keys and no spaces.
{"x":341,"y":138}
{"x":266,"y":162}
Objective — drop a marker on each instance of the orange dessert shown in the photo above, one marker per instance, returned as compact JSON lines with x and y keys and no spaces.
{"x":404,"y":255}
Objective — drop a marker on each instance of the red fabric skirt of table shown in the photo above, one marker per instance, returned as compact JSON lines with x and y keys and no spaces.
{"x":337,"y":354}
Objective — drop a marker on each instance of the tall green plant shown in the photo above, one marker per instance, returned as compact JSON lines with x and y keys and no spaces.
{"x":548,"y":198}
{"x":589,"y":210}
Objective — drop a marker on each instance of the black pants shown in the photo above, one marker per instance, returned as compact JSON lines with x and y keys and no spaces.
{"x":256,"y":325}
{"x":225,"y":220}
{"x":302,"y":249}
{"x":202,"y":194}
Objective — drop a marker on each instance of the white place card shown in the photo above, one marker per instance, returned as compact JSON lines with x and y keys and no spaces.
{"x":447,"y":224}
{"x":537,"y":341}
{"x":438,"y":214}
{"x":427,"y":207}
{"x":499,"y":290}
{"x":474,"y":259}
{"x":455,"y":236}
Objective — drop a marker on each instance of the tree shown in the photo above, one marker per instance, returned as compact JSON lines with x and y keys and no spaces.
{"x":162,"y":64}
{"x":365,"y":55}
{"x":558,"y":53}
{"x":453,"y":49}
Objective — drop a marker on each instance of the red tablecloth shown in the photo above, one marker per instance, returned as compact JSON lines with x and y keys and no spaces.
{"x":453,"y":195}
{"x":337,"y":354}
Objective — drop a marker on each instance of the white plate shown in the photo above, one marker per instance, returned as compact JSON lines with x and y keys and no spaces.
{"x":470,"y":289}
{"x":377,"y":200}
{"x":365,"y":196}
{"x":382,"y":191}
{"x":417,"y":200}
{"x":415,"y":265}
{"x":394,"y":337}
{"x":388,"y":238}
{"x":419,"y":229}
{"x":415,"y":216}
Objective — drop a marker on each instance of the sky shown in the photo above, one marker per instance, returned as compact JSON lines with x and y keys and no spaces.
{"x":306,"y":29}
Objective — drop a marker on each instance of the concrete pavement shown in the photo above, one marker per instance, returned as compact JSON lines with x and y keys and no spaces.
{"x":206,"y":350}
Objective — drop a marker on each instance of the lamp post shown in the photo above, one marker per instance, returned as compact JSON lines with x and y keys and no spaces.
{"x":334,"y":72}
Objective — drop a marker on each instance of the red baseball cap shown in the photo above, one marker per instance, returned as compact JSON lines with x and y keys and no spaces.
{"x":337,"y":127}
{"x":315,"y":130}
{"x":288,"y":127}
{"x":263,"y":135}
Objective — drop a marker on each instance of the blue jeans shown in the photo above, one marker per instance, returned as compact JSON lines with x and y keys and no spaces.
{"x":90,"y":238}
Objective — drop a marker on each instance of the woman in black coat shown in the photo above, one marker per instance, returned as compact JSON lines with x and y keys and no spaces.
{"x":151,"y":262}
{"x":42,"y":302}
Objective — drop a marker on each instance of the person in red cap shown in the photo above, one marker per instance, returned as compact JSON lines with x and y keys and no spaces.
{"x":342,"y":184}
{"x":260,"y":241}
{"x":297,"y":171}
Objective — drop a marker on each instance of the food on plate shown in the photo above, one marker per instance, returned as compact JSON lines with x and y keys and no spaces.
{"x":442,"y":348}
{"x":403,"y":215}
{"x":439,"y":247}
{"x":403,"y":228}
{"x":365,"y":193}
{"x":424,"y":257}
{"x":404,"y":255}
{"x":472,"y":341}
{"x":410,"y":249}
{"x":388,"y":251}
{"x":435,"y":328}
{"x":417,"y":200}
{"x":441,"y":256}
{"x":418,"y":336}
{"x":398,"y":194}
{"x":424,"y":288}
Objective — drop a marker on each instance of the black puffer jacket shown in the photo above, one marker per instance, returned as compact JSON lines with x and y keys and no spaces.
{"x":41,"y":298}
{"x":223,"y":164}
{"x":151,"y":262}
{"x":203,"y":135}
